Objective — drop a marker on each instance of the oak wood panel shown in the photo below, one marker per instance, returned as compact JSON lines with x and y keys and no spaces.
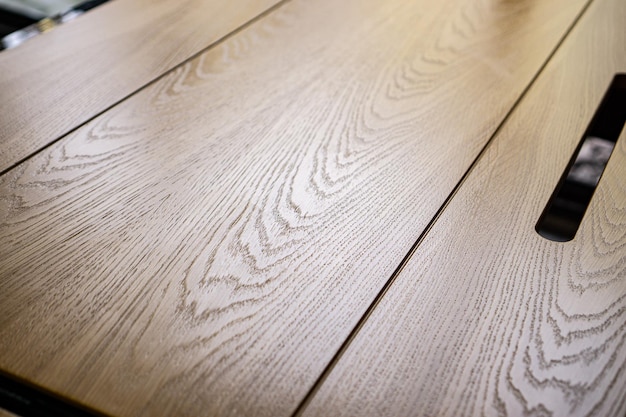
{"x":206,"y":246}
{"x":53,"y":83}
{"x":488,"y":318}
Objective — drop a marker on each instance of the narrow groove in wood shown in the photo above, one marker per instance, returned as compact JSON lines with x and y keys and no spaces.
{"x":357,"y":328}
{"x":227,"y":36}
{"x":568,"y":204}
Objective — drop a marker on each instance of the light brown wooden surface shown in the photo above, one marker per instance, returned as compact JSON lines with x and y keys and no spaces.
{"x":206,"y":246}
{"x":54,"y":82}
{"x":488,"y":318}
{"x":5,"y":413}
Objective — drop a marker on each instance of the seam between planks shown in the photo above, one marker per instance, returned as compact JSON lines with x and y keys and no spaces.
{"x":220,"y":40}
{"x":383,"y":291}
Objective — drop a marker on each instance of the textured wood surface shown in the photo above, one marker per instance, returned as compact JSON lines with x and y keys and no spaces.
{"x":488,"y":318}
{"x":205,"y":247}
{"x":53,"y":83}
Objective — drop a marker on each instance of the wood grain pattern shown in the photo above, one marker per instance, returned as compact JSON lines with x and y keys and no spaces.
{"x":53,"y":83}
{"x":206,"y":246}
{"x":488,"y":318}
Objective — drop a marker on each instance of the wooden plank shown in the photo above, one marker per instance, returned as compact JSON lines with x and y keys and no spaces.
{"x":206,"y":246}
{"x":53,"y":83}
{"x":488,"y":318}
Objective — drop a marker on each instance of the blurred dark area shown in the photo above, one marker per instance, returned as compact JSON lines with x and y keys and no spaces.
{"x":20,"y":20}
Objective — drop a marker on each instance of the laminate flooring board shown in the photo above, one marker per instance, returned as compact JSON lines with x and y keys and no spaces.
{"x":55,"y":82}
{"x":206,"y":246}
{"x":488,"y":318}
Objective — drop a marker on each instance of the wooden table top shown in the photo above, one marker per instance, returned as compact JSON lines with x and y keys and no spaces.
{"x":52,"y":84}
{"x":499,"y":318}
{"x":328,"y":212}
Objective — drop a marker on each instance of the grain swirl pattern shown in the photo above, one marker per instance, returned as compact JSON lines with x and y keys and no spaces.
{"x":488,"y":318}
{"x":54,"y":83}
{"x":206,"y":246}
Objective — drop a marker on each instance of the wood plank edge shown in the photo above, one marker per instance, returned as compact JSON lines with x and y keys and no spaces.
{"x":27,"y":400}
